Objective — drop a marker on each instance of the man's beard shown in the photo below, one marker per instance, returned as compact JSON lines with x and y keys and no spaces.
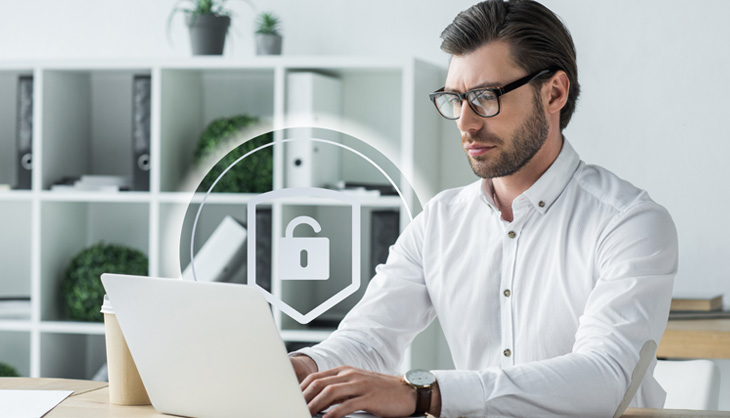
{"x":526,"y":142}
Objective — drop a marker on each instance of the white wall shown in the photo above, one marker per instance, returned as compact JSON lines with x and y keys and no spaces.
{"x":654,"y":77}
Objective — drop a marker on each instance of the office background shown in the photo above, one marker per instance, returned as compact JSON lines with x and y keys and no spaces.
{"x":654,"y":85}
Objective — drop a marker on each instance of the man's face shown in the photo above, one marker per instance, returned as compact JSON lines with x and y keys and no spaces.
{"x":501,"y":145}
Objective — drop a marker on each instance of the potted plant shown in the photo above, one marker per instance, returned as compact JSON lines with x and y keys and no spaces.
{"x":82,"y":289}
{"x":208,"y":22}
{"x":252,"y":175}
{"x":268,"y":38}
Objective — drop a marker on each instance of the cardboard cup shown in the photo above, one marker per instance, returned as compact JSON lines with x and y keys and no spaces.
{"x":125,"y":385}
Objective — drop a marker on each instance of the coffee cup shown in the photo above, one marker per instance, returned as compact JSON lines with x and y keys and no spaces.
{"x":125,"y":385}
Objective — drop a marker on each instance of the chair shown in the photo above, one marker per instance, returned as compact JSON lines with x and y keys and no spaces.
{"x":690,"y":384}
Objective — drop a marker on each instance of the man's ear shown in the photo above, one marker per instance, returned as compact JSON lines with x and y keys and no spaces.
{"x":556,"y":89}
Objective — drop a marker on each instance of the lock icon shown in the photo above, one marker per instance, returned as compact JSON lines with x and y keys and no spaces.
{"x":304,"y":258}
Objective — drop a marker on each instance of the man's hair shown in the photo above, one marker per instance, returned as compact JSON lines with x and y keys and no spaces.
{"x":537,"y":38}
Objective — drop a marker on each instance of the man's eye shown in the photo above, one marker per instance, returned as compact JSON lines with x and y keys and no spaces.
{"x":484,"y":96}
{"x":452,"y":99}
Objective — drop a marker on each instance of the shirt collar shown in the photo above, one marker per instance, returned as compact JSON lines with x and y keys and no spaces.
{"x":543,"y":193}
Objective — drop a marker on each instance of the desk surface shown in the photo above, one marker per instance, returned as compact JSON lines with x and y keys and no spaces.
{"x":696,"y":338}
{"x":91,"y":399}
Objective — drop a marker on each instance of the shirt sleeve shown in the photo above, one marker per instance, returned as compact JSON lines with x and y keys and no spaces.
{"x":629,"y":305}
{"x":374,"y":335}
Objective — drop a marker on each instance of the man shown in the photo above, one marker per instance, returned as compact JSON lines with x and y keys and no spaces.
{"x":548,"y":275}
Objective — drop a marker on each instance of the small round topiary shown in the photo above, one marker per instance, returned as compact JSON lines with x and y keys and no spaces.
{"x":82,"y":289}
{"x":253,"y":174}
{"x":7,"y":370}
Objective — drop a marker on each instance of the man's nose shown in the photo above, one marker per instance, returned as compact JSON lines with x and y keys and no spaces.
{"x":468,"y":120}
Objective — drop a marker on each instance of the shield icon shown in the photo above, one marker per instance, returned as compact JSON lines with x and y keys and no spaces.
{"x":296,"y":258}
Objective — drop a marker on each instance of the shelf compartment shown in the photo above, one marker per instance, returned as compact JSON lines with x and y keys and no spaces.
{"x":9,"y":158}
{"x":15,"y":248}
{"x":88,"y":120}
{"x":15,"y":350}
{"x":79,"y":225}
{"x":176,"y":234}
{"x":71,"y":356}
{"x":191,"y":99}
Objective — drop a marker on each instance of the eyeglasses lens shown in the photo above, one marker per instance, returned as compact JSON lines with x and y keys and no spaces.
{"x":483,"y":102}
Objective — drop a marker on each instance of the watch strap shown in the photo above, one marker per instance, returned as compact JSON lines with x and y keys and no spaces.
{"x":423,"y":401}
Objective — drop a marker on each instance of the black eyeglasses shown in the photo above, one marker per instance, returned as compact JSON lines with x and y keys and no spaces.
{"x":483,"y":101}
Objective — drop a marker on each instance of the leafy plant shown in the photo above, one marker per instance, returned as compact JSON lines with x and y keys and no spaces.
{"x":7,"y":370}
{"x":253,"y":174}
{"x":267,"y":24}
{"x":82,"y":289}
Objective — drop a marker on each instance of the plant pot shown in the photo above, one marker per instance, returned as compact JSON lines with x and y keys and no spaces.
{"x":268,"y":44}
{"x":207,"y":33}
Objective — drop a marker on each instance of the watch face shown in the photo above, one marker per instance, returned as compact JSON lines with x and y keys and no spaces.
{"x":422,"y":378}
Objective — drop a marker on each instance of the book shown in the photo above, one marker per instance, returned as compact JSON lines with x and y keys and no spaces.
{"x":680,"y":304}
{"x":15,"y":307}
{"x":682,"y":315}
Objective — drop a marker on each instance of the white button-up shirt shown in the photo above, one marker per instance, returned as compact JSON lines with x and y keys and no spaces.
{"x":544,"y":315}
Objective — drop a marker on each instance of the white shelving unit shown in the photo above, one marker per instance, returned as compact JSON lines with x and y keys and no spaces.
{"x":82,"y":125}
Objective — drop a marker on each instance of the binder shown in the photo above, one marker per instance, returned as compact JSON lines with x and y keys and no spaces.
{"x":141,"y":104}
{"x":311,"y":99}
{"x":25,"y":133}
{"x":384,"y":231}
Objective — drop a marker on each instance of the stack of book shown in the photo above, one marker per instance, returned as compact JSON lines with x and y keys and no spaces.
{"x":14,"y":307}
{"x":93,"y":183}
{"x":697,"y":308}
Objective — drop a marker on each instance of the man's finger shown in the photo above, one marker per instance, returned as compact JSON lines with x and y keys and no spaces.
{"x":319,"y":375}
{"x":345,"y":408}
{"x":318,"y":385}
{"x":332,"y":394}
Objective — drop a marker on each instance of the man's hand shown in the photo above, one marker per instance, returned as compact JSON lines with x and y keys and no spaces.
{"x":354,"y":389}
{"x":303,"y":366}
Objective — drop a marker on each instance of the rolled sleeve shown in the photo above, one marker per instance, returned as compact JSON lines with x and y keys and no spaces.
{"x":462,"y":393}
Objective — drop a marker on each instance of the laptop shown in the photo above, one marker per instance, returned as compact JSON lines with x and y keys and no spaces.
{"x":206,"y":350}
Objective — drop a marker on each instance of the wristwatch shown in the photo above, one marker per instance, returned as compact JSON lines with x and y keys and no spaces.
{"x":422,"y":381}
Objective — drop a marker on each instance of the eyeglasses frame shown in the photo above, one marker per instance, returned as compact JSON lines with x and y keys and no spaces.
{"x":498,"y":91}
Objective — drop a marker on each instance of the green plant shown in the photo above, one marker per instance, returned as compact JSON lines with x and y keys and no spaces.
{"x":267,"y":24}
{"x":253,"y":174}
{"x":7,"y":370}
{"x":82,"y":289}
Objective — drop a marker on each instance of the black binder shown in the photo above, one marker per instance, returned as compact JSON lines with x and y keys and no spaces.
{"x":25,"y":133}
{"x":141,"y":103}
{"x":384,"y":231}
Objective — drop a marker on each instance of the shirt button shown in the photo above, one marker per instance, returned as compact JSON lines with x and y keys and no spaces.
{"x":507,"y":293}
{"x":511,"y":234}
{"x":507,"y":352}
{"x":541,"y":204}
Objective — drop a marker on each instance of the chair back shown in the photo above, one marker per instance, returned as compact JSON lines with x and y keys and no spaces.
{"x":690,"y":384}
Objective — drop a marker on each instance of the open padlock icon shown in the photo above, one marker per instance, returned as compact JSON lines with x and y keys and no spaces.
{"x":304,"y":258}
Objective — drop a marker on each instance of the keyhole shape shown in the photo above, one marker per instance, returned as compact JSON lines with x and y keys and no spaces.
{"x":303,"y":261}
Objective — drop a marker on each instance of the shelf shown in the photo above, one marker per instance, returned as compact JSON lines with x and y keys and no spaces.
{"x":81,"y":196}
{"x":73,"y":327}
{"x":79,"y":225}
{"x":15,"y":248}
{"x":83,"y":125}
{"x":71,"y":356}
{"x":87,"y":120}
{"x":15,"y":195}
{"x":192,"y":98}
{"x":15,"y":350}
{"x":15,"y":325}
